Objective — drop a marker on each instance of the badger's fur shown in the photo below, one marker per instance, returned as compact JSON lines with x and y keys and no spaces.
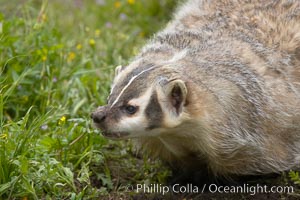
{"x":219,"y":86}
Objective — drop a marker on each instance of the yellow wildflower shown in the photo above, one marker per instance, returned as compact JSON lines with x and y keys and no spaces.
{"x":131,"y":1}
{"x":44,"y":58}
{"x":44,"y":17}
{"x":71,"y":56}
{"x":3,"y":136}
{"x":117,"y":4}
{"x":62,"y":120}
{"x":78,"y":46}
{"x":92,"y":42}
{"x":97,"y":32}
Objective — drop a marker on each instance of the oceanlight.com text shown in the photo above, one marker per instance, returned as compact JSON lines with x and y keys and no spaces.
{"x":210,"y":188}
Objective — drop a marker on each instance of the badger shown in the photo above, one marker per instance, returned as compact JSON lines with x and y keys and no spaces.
{"x":218,"y":87}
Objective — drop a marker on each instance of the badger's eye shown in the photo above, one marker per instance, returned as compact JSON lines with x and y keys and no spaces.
{"x":131,"y":109}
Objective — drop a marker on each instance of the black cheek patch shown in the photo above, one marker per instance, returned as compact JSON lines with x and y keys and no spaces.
{"x":154,"y":113}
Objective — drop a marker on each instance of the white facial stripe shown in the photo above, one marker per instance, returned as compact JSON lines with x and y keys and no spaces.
{"x":118,"y":69}
{"x":128,"y":84}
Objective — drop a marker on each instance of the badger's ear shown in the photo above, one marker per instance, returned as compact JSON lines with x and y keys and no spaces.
{"x":175,"y":92}
{"x":118,"y":69}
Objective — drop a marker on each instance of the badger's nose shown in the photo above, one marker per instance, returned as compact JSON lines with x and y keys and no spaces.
{"x":98,"y":117}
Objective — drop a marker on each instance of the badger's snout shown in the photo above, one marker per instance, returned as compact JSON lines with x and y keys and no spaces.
{"x":102,"y":120}
{"x":99,"y":116}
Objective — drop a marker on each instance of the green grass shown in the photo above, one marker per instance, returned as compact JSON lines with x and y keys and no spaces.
{"x":57,"y":60}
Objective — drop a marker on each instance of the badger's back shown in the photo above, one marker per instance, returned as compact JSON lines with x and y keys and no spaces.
{"x":246,"y":56}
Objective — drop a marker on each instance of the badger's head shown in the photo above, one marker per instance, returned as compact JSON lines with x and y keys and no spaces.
{"x":145,"y":100}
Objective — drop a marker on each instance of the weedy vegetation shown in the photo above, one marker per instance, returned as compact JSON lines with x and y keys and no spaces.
{"x":57,"y":61}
